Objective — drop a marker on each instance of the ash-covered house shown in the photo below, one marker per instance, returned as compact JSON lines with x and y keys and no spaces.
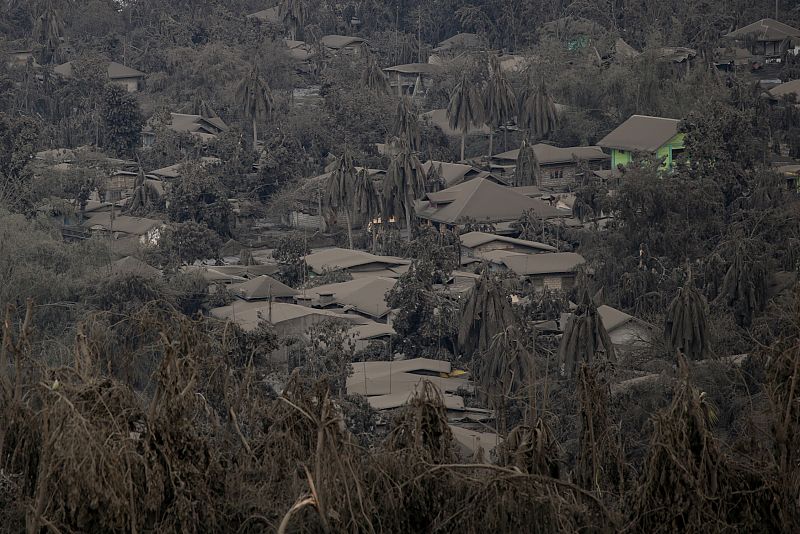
{"x":343,"y":44}
{"x":363,"y":296}
{"x":559,"y":166}
{"x":142,"y":230}
{"x":657,"y":136}
{"x":554,"y":270}
{"x":412,"y":79}
{"x":476,"y":244}
{"x":356,"y":262}
{"x":204,"y":128}
{"x":765,"y":40}
{"x":130,"y":79}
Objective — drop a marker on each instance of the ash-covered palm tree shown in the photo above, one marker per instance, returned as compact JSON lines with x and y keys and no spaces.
{"x":406,"y":124}
{"x":404,"y":183}
{"x":686,"y":323}
{"x":373,"y":77}
{"x":144,"y":197}
{"x":486,"y":313}
{"x":537,"y":112}
{"x":499,"y":102}
{"x":366,"y":202}
{"x":339,"y":188}
{"x":585,"y":338}
{"x":465,"y":109}
{"x":48,"y":30}
{"x":528,"y":171}
{"x":254,"y":97}
{"x":435,"y":178}
{"x":294,"y":14}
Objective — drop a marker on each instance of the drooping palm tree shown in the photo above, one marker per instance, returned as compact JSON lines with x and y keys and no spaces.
{"x":585,"y":338}
{"x":406,"y":124}
{"x":537,"y":111}
{"x":686,"y":323}
{"x":486,"y":313}
{"x":528,"y":171}
{"x":373,"y":77}
{"x":48,"y":30}
{"x":294,"y":14}
{"x":404,"y":182}
{"x":254,"y":97}
{"x":339,"y":188}
{"x":465,"y":109}
{"x":366,"y":202}
{"x":499,"y":102}
{"x":144,"y":197}
{"x":435,"y":178}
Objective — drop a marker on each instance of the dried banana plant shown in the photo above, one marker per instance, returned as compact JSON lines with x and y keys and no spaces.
{"x":744,"y":287}
{"x":601,"y":464}
{"x":532,"y":449}
{"x":487,"y":311}
{"x":686,"y":323}
{"x":585,"y":339}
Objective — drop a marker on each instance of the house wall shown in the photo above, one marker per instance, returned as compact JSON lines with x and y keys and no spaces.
{"x":129,"y":84}
{"x":299,"y":219}
{"x":498,"y":245}
{"x":562,"y":176}
{"x":669,"y":151}
{"x":554,"y":282}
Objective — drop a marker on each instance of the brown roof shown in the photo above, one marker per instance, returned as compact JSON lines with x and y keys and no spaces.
{"x":452,"y":173}
{"x":553,"y":263}
{"x":765,"y":30}
{"x":249,"y":314}
{"x":364,"y":295}
{"x":182,"y":122}
{"x":337,"y":42}
{"x":551,"y":155}
{"x":641,"y":133}
{"x":788,"y":88}
{"x":342,"y":258}
{"x":131,"y":265}
{"x":385,"y":378}
{"x":263,"y":287}
{"x":116,"y":71}
{"x":122,"y":223}
{"x":481,"y":200}
{"x":461,"y":41}
{"x":476,"y":239}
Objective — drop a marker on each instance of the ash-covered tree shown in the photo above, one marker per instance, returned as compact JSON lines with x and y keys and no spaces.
{"x":686,"y":323}
{"x":290,"y":253}
{"x":339,"y":189}
{"x":499,"y":101}
{"x":537,"y":111}
{"x":485,"y":313}
{"x":186,"y":242}
{"x":122,"y":121}
{"x":528,"y":171}
{"x":404,"y":182}
{"x":199,"y":196}
{"x":465,"y":109}
{"x":18,"y":138}
{"x":585,"y":339}
{"x":327,"y":354}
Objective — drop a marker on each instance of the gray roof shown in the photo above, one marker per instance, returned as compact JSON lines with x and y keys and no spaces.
{"x":788,"y":88}
{"x":482,"y":200}
{"x":476,"y":239}
{"x":116,"y":71}
{"x":414,"y":68}
{"x":364,"y":295}
{"x":122,"y":223}
{"x":535,"y":264}
{"x":469,"y":41}
{"x":641,"y":133}
{"x":249,"y":314}
{"x":765,"y":30}
{"x":271,"y":14}
{"x":551,"y":155}
{"x":342,"y":258}
{"x":337,"y":42}
{"x":131,"y":265}
{"x":452,"y":173}
{"x":263,"y":287}
{"x":393,"y":377}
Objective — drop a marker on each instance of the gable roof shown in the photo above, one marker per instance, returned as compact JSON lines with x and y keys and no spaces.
{"x":337,"y":42}
{"x":263,"y":287}
{"x":364,"y":295}
{"x":476,"y":239}
{"x":482,"y":200}
{"x":184,"y":122}
{"x":176,"y":170}
{"x":553,"y":263}
{"x":131,"y":265}
{"x":461,"y":40}
{"x":641,"y":133}
{"x":414,"y":68}
{"x":271,"y":14}
{"x":550,"y":155}
{"x":122,"y":223}
{"x":115,"y":71}
{"x":788,"y":88}
{"x":380,"y":378}
{"x":453,"y":173}
{"x":342,"y":258}
{"x":765,"y":30}
{"x":249,"y":314}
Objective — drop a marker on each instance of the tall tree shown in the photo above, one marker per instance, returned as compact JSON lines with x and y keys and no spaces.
{"x":406,"y":124}
{"x":366,"y":202}
{"x":404,"y":182}
{"x":294,"y":14}
{"x":486,"y":312}
{"x":585,"y":338}
{"x":686,"y":323}
{"x":339,"y":189}
{"x":122,"y":120}
{"x":48,"y":31}
{"x":465,"y":109}
{"x":528,"y":171}
{"x":499,"y":102}
{"x":537,"y":112}
{"x":254,"y":97}
{"x":373,"y":77}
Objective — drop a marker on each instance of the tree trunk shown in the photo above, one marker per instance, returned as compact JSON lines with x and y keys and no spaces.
{"x":463,"y":143}
{"x":374,"y":238}
{"x":255,"y":134}
{"x":491,"y":146}
{"x":408,"y":219}
{"x":349,"y":228}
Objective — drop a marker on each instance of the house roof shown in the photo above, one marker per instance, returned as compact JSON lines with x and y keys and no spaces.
{"x":183,"y":122}
{"x":623,"y":50}
{"x":553,"y":263}
{"x":788,"y":88}
{"x":364,"y":295}
{"x":470,"y":441}
{"x":532,"y":191}
{"x":299,"y":50}
{"x":452,"y":173}
{"x":461,"y":41}
{"x":371,"y":330}
{"x":337,"y":42}
{"x":550,"y":155}
{"x":116,"y":71}
{"x":271,"y":14}
{"x":249,"y":314}
{"x":641,"y":133}
{"x":214,"y":275}
{"x":131,"y":265}
{"x":342,"y":258}
{"x":613,"y":318}
{"x":482,"y":200}
{"x":122,"y":223}
{"x":263,"y":287}
{"x":765,"y":30}
{"x":175,"y":171}
{"x":476,"y":239}
{"x":674,"y":54}
{"x":414,"y":68}
{"x":438,"y":118}
{"x":403,"y":376}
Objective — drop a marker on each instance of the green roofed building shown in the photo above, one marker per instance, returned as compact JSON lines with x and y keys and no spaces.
{"x":642,"y":134}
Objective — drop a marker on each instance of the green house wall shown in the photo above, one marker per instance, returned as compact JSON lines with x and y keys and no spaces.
{"x":624,"y":157}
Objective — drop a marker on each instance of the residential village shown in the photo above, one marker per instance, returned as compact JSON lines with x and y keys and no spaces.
{"x":493,"y":225}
